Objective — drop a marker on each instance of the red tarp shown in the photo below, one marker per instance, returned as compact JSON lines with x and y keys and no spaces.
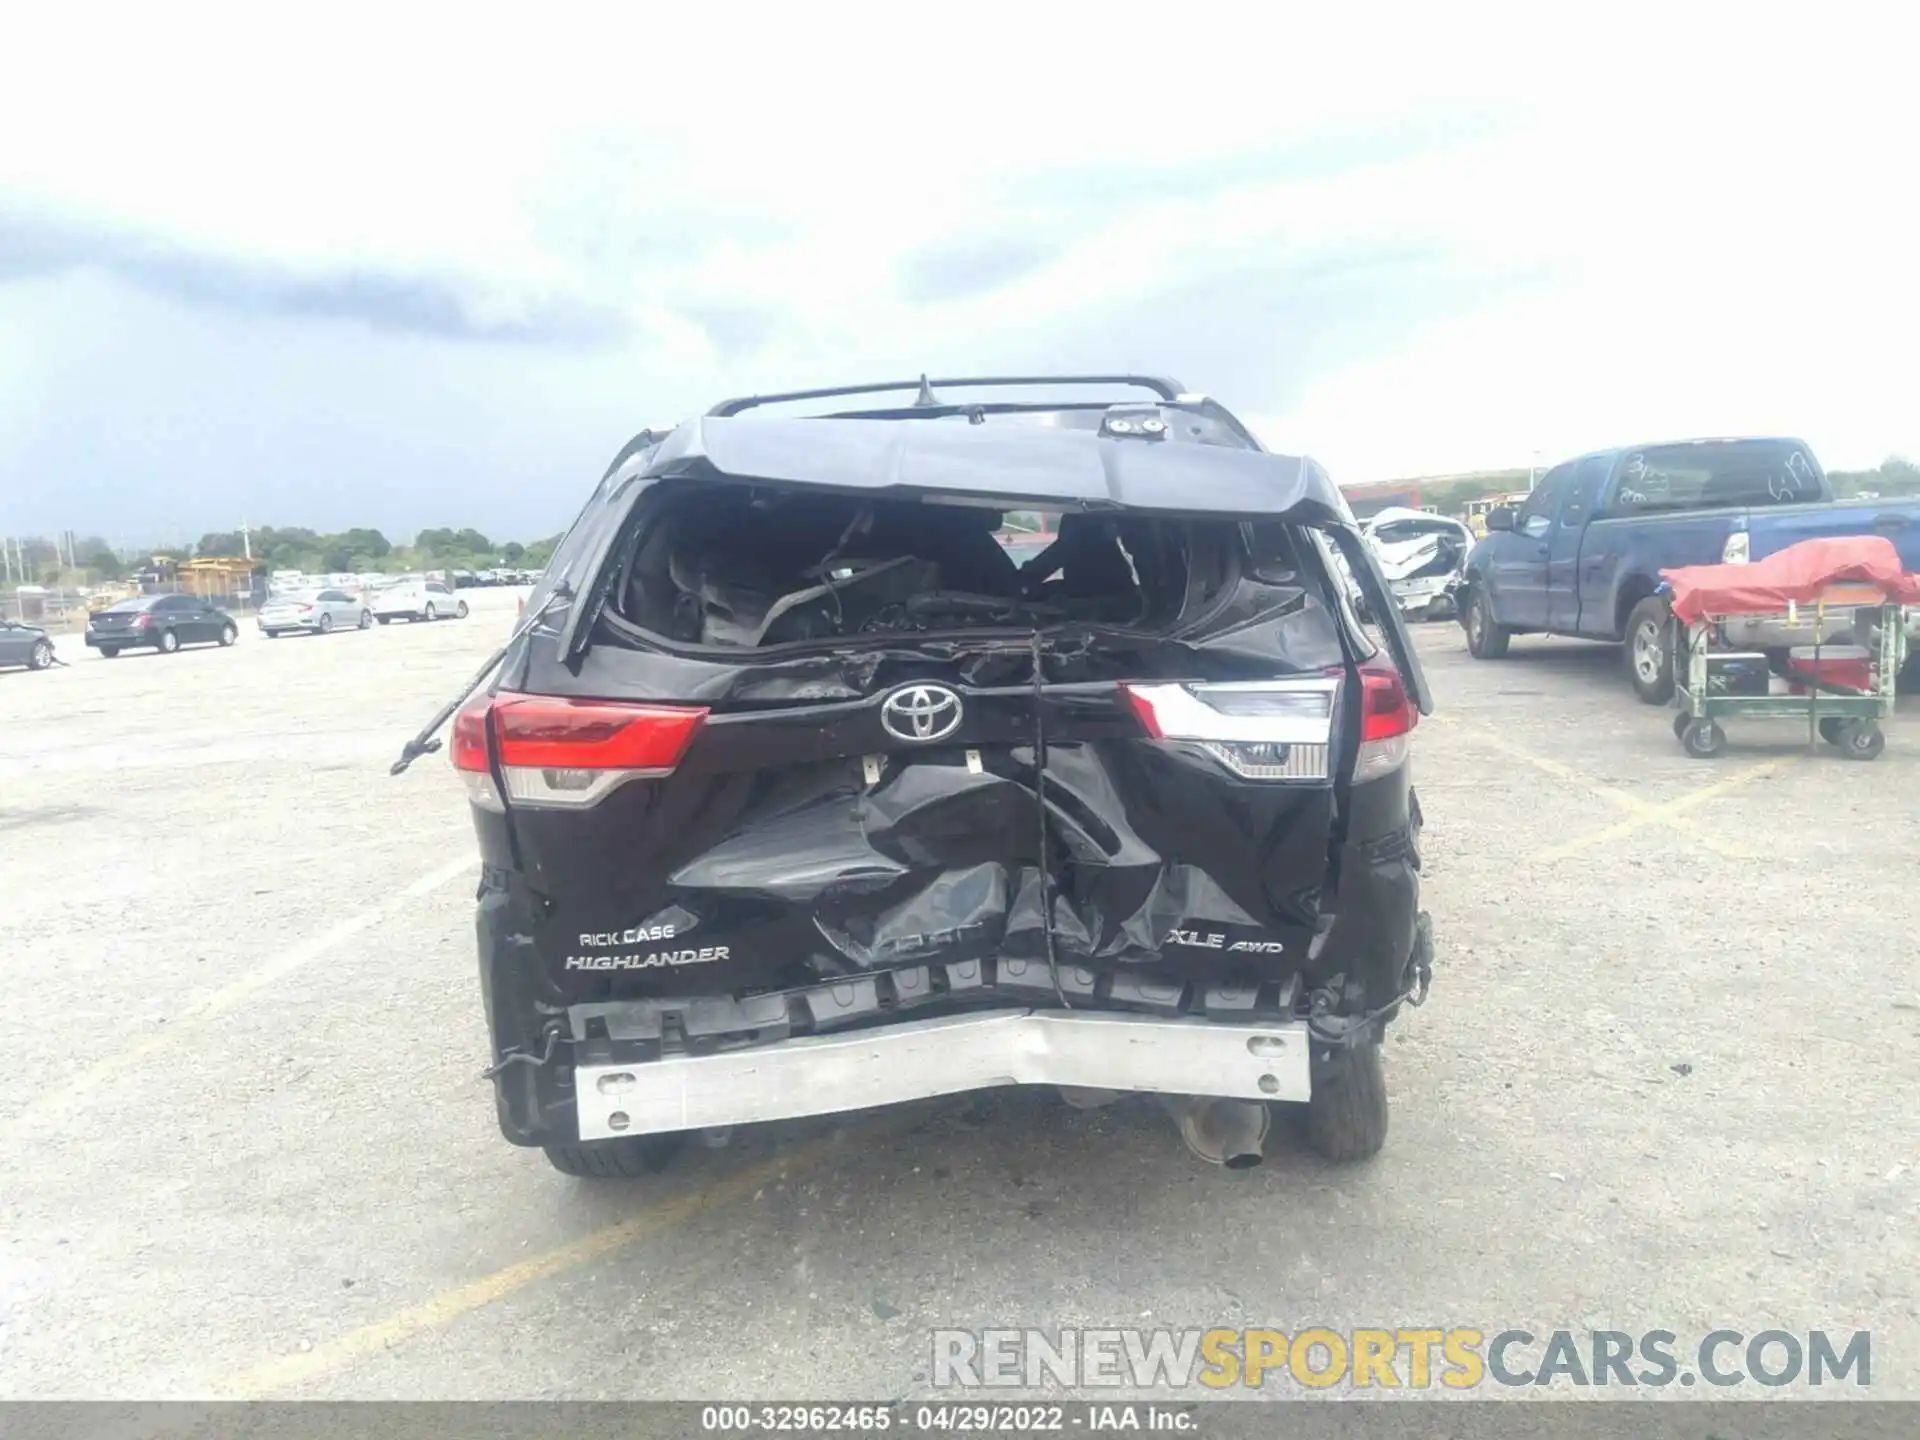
{"x":1798,"y":573}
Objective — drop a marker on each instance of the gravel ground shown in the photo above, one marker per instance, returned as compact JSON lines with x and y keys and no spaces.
{"x":1657,"y":1087}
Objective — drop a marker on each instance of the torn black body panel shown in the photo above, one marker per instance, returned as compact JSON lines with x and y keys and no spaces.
{"x":769,"y":859}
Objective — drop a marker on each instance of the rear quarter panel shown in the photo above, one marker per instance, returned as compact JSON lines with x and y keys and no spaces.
{"x":1621,"y":558}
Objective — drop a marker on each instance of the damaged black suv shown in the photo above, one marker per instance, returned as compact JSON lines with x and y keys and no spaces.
{"x":797,"y":795}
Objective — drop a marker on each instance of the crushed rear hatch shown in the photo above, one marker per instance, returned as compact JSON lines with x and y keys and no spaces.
{"x":809,"y":722}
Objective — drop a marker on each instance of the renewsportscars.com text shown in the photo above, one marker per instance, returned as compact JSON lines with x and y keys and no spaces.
{"x":1412,"y":1358}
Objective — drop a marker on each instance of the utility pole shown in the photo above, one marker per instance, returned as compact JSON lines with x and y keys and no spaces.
{"x":246,"y":539}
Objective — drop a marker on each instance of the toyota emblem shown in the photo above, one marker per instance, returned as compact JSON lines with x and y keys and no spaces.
{"x":921,"y":713}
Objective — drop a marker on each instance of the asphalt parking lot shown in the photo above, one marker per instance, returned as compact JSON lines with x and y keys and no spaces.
{"x":1665,"y":1079}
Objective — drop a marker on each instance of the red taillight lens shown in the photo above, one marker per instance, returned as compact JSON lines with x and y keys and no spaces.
{"x":469,"y":747}
{"x":592,"y":734}
{"x":1387,"y":718}
{"x":1386,"y":710}
{"x":565,"y":754}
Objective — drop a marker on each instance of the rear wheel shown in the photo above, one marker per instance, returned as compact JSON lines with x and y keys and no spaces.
{"x":109,"y":652}
{"x":429,"y":613}
{"x":1649,"y":650}
{"x":168,"y":642}
{"x":625,"y":1158}
{"x":385,"y":619}
{"x":460,"y":611}
{"x":1347,"y":1114}
{"x":271,"y":634}
{"x":1486,"y":640}
{"x":326,"y":624}
{"x":228,"y":634}
{"x":366,"y":620}
{"x":41,"y":657}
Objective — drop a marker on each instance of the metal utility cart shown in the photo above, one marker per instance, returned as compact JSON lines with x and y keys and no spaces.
{"x":1711,"y":688}
{"x":1793,"y":592}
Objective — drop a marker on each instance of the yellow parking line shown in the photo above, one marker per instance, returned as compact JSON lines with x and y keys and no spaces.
{"x":65,"y":1098}
{"x":283,"y":1372}
{"x":1669,"y":814}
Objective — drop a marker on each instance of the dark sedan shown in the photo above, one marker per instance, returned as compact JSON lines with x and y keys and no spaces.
{"x":26,"y":645}
{"x":159,"y":622}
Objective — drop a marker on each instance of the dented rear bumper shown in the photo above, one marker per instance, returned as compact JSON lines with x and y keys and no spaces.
{"x":918,"y":1060}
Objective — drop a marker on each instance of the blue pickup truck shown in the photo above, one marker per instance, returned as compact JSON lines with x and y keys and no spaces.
{"x":1583,"y":555}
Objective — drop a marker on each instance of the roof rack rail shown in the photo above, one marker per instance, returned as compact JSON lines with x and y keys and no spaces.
{"x":1168,"y":390}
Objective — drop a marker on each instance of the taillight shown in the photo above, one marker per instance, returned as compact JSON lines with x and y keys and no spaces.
{"x":1387,"y":718}
{"x":1260,"y":730}
{"x":565,"y":754}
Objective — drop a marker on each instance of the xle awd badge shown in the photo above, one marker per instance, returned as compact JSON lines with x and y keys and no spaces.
{"x":920,"y":713}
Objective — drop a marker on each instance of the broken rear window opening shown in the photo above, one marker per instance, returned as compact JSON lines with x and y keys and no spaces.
{"x":755,"y":566}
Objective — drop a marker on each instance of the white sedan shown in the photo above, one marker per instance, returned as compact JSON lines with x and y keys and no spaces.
{"x":418,"y":600}
{"x":316,"y":612}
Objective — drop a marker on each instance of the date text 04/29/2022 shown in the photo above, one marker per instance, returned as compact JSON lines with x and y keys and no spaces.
{"x":962,"y":1418}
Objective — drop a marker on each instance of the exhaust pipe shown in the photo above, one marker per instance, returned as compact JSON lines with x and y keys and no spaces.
{"x":1221,"y":1131}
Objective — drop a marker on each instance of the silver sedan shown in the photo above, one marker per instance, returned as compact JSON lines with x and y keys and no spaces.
{"x":314,"y":611}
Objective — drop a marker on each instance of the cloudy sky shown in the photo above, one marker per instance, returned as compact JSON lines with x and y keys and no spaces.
{"x":403,"y":266}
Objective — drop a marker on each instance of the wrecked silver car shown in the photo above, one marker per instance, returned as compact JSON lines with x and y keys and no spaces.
{"x":1423,"y":556}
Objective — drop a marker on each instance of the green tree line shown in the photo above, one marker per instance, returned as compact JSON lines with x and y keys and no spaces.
{"x":286,"y":547}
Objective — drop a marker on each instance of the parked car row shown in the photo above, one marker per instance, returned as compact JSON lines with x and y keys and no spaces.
{"x":466,"y":579}
{"x":23,"y":644}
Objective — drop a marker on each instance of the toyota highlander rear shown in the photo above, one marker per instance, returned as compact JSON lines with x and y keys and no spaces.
{"x":796,"y":794}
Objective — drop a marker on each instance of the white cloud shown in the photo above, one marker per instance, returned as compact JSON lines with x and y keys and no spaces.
{"x":1469,"y":232}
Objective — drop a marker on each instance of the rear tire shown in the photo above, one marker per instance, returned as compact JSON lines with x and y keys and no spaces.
{"x":366,"y":620}
{"x":109,"y":652}
{"x":428,"y":615}
{"x":1347,"y":1114}
{"x":41,"y":657}
{"x":627,"y":1158}
{"x":228,"y":635}
{"x":326,"y":624}
{"x":385,"y":619}
{"x":460,"y":611}
{"x":1649,"y":651}
{"x":1486,"y":639}
{"x":167,"y":643}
